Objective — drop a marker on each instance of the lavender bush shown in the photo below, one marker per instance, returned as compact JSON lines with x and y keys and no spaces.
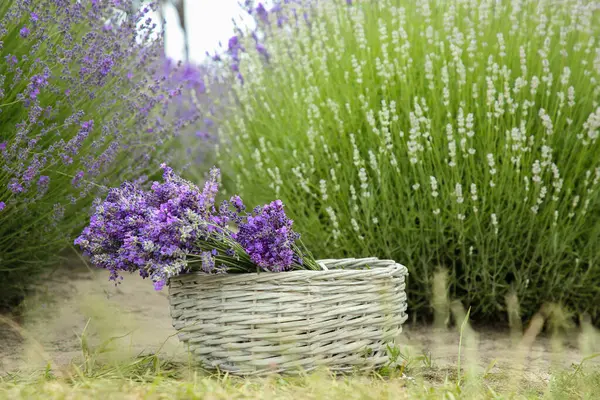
{"x":456,"y":134}
{"x":83,"y":104}
{"x":200,"y":99}
{"x":175,"y":227}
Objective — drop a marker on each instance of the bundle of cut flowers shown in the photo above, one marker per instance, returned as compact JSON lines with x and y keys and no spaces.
{"x":176,"y":228}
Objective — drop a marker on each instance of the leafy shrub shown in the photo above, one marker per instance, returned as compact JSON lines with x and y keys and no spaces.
{"x":84,"y":105}
{"x":453,"y":134}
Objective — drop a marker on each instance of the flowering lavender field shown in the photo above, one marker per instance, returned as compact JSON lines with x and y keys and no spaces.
{"x":86,"y":102}
{"x":458,"y":135}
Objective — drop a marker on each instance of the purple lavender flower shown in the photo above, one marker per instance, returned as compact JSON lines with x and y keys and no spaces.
{"x":202,"y":134}
{"x":24,"y":32}
{"x":281,"y":20}
{"x":208,"y":262}
{"x":58,"y":212}
{"x":261,"y":49}
{"x":2,"y":205}
{"x":267,"y":237}
{"x":262,"y":13}
{"x":233,"y":42}
{"x":113,"y":229}
{"x":43,"y":184}
{"x":15,"y":186}
{"x":211,"y":187}
{"x":151,"y":232}
{"x":156,"y":232}
{"x":106,"y":65}
{"x":238,"y":203}
{"x":240,"y":78}
{"x":191,"y":76}
{"x":36,"y":83}
{"x":77,"y":178}
{"x":43,"y":181}
{"x":11,"y":60}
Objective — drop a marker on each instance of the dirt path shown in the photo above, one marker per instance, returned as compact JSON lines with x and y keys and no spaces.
{"x":70,"y":300}
{"x":57,"y":317}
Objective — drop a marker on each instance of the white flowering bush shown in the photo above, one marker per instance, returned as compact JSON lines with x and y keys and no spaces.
{"x":459,"y":134}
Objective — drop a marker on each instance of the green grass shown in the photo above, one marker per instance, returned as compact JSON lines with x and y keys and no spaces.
{"x":438,"y":134}
{"x":151,"y":378}
{"x":104,"y":371}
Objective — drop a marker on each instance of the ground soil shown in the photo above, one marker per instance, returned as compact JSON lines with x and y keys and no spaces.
{"x":81,"y":301}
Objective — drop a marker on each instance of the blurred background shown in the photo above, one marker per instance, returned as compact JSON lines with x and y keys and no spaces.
{"x":196,"y":27}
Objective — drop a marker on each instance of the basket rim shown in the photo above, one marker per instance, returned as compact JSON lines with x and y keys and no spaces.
{"x":391,"y":265}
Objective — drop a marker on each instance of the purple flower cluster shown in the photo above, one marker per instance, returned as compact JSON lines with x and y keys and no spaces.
{"x":149,"y":231}
{"x":282,"y":13}
{"x":24,"y":32}
{"x":158,"y":232}
{"x":114,"y":227}
{"x":264,"y":15}
{"x":268,"y":238}
{"x":234,"y":49}
{"x":196,"y":105}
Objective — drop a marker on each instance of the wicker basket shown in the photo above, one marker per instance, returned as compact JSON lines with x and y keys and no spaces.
{"x":340,"y":318}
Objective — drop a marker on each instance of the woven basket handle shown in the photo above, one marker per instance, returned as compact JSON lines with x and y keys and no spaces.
{"x":322,"y":265}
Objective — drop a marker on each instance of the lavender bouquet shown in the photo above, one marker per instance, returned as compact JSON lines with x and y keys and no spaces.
{"x":175,"y":228}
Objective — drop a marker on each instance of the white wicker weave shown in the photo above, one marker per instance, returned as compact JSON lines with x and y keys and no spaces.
{"x":340,"y":318}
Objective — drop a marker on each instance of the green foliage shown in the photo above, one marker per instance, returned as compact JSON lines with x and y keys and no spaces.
{"x":455,"y":134}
